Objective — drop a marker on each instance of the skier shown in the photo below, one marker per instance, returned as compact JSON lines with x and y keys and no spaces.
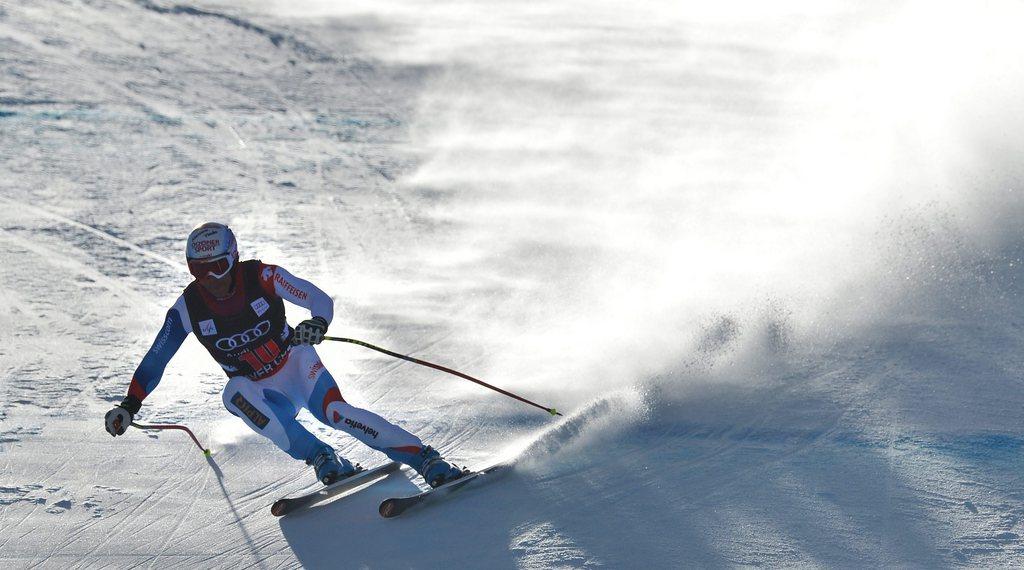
{"x":236,"y":310}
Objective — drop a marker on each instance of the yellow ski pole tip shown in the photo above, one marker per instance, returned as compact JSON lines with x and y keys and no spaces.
{"x":207,"y":452}
{"x":553,"y":412}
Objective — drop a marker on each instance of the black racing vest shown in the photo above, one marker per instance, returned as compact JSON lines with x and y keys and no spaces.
{"x":254,"y":341}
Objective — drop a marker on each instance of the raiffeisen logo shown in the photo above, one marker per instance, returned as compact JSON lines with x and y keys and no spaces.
{"x":292,"y":289}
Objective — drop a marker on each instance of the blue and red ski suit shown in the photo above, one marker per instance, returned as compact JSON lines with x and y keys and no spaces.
{"x":269,"y":380}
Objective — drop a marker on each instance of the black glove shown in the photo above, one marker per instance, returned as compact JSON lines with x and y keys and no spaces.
{"x":310,"y":331}
{"x":121,"y":416}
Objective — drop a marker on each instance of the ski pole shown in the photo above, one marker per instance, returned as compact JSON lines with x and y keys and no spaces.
{"x":551,"y":411}
{"x":205,"y":450}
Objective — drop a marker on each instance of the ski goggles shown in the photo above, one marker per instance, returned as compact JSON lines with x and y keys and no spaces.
{"x":217,"y":267}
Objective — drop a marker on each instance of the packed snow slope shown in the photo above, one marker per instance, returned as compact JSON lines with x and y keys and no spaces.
{"x":766,"y":257}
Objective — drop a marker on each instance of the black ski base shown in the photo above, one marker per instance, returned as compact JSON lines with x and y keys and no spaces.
{"x":393,"y":507}
{"x":363,"y":476}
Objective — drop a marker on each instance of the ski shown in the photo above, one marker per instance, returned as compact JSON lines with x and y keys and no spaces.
{"x":363,"y":476}
{"x":395,"y":506}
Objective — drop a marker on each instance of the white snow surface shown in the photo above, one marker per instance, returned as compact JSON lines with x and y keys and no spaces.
{"x":764,"y":256}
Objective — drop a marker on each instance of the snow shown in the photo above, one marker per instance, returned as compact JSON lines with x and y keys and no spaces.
{"x":764,"y":258}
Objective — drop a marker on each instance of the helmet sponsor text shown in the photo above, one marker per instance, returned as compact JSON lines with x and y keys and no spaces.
{"x":205,"y":245}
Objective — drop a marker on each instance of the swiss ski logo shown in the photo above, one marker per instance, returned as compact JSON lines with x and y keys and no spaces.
{"x":207,"y":328}
{"x":260,"y":306}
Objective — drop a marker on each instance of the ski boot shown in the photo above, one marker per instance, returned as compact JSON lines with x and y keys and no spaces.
{"x":329,"y":468}
{"x":435,"y":470}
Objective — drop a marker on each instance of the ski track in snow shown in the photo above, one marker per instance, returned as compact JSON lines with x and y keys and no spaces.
{"x":125,"y":123}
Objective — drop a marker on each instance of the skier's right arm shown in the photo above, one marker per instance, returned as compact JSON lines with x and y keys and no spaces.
{"x":175,"y":329}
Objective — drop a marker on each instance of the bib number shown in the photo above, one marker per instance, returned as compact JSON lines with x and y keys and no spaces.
{"x":263,"y":358}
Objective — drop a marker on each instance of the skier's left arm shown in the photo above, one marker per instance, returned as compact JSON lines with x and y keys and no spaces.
{"x":279,"y":281}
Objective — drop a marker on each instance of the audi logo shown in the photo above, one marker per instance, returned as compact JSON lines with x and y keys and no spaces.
{"x":243,"y":338}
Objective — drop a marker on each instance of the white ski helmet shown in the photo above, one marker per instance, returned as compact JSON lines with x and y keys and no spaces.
{"x":211,"y":250}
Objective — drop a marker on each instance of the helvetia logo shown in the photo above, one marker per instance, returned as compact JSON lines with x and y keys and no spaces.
{"x":362,"y":427}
